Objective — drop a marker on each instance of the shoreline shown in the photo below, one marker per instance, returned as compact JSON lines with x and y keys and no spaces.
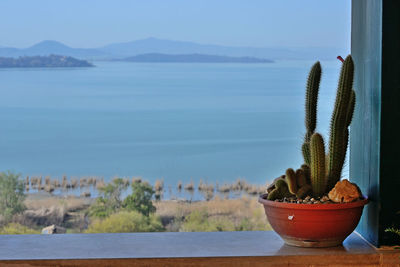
{"x":91,"y":187}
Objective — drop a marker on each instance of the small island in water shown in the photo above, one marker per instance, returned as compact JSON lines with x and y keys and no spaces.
{"x":192,"y":58}
{"x":52,"y":61}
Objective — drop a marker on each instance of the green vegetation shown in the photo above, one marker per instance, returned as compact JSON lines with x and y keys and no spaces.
{"x":110,"y":200}
{"x":126,"y":222}
{"x":135,"y":213}
{"x":140,"y":199}
{"x":17,"y":229}
{"x":393,"y":230}
{"x":198,"y":221}
{"x":396,"y":233}
{"x":11,"y":196}
{"x":322,"y":170}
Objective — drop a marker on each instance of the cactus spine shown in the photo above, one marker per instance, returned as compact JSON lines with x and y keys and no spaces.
{"x":341,"y":119}
{"x":312,"y":89}
{"x":318,"y":173}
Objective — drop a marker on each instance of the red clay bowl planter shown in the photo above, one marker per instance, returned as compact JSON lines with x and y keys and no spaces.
{"x":313,"y":225}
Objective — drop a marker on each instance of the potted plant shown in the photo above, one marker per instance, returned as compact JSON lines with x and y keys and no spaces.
{"x":311,"y":207}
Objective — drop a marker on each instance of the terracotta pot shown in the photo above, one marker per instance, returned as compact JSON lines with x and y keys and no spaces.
{"x":313,"y":225}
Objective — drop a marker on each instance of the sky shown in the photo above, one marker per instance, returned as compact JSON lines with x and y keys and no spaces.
{"x":258,"y":23}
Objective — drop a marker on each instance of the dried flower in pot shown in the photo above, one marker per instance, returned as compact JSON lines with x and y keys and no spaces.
{"x":318,"y":221}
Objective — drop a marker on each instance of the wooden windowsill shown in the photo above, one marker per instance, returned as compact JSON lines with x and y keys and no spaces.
{"x":181,"y":249}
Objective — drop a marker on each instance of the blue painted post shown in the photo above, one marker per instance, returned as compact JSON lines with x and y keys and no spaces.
{"x":374,"y":141}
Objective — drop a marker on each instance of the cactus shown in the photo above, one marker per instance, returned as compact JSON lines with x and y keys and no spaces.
{"x":291,"y":180}
{"x":301,"y":178}
{"x":281,"y":190}
{"x":295,"y":180}
{"x":321,"y":171}
{"x":305,"y":148}
{"x":312,"y":89}
{"x":341,"y":119}
{"x":272,"y":185}
{"x":318,"y":174}
{"x":304,"y":191}
{"x":303,"y":184}
{"x":307,"y":172}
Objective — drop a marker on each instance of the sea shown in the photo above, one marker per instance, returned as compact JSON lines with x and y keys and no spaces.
{"x":170,"y":121}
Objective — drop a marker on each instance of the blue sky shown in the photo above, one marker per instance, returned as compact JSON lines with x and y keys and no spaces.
{"x":94,"y":23}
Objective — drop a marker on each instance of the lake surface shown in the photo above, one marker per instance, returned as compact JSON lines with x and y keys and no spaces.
{"x":215,"y":122}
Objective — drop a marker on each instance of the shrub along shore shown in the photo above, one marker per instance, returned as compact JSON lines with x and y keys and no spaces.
{"x":129,"y":205}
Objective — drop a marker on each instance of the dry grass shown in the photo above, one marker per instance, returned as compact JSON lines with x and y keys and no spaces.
{"x":136,"y":180}
{"x":92,"y":181}
{"x":235,"y":210}
{"x":225,"y":188}
{"x":179,"y":186}
{"x":159,"y":185}
{"x":100,"y":184}
{"x":47,"y":210}
{"x":189,"y":186}
{"x":74,"y":182}
{"x":83,"y":182}
{"x":55,"y":183}
{"x":47,"y":180}
{"x":69,"y":203}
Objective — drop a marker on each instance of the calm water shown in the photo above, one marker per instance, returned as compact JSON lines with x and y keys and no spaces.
{"x":172,"y":121}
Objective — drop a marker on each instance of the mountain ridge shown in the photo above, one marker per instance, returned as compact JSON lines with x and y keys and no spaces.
{"x":164,"y":46}
{"x":192,"y":58}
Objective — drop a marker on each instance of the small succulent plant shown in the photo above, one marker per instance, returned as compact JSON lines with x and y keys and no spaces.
{"x":321,"y":170}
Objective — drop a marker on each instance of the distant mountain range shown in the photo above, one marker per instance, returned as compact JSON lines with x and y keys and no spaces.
{"x":154,"y":45}
{"x":192,"y":58}
{"x":46,"y":48}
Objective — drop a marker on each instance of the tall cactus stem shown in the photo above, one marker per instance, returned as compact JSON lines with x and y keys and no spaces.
{"x":312,"y":89}
{"x":340,"y":121}
{"x":318,"y":177}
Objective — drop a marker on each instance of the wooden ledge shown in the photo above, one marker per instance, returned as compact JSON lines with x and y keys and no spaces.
{"x":179,"y":249}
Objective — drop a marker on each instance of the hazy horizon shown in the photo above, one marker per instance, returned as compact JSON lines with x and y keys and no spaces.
{"x":92,"y":24}
{"x":163,"y":39}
